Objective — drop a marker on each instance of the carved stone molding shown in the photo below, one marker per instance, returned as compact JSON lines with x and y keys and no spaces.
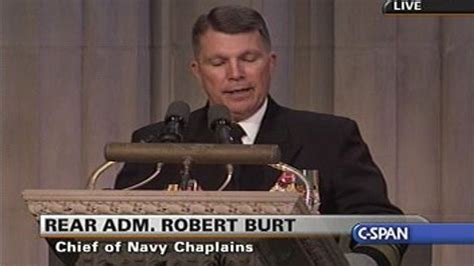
{"x":161,"y":202}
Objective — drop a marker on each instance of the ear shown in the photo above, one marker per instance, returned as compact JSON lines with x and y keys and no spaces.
{"x":194,"y":65}
{"x":273,"y":61}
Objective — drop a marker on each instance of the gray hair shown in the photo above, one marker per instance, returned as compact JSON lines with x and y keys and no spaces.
{"x":230,"y":20}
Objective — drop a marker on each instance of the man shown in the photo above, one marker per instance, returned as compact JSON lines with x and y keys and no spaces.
{"x":233,"y":62}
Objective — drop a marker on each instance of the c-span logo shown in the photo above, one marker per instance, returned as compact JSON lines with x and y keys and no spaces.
{"x":380,"y":233}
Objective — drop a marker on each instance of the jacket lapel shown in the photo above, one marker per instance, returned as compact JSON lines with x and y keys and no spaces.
{"x":275,"y":130}
{"x":197,"y":131}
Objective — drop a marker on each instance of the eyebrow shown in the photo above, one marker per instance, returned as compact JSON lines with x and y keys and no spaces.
{"x":223,"y":57}
{"x":213,"y":57}
{"x":251,"y":52}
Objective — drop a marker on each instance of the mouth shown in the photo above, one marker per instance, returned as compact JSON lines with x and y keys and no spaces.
{"x":236,"y":91}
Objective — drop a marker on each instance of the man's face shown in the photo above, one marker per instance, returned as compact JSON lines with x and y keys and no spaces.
{"x":234,"y":70}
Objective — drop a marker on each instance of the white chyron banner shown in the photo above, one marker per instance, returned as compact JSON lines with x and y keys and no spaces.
{"x":157,"y":226}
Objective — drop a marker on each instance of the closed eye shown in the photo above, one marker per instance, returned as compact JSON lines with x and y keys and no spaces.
{"x":217,"y":61}
{"x":250,"y":57}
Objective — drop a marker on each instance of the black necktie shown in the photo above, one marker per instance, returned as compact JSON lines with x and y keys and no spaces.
{"x":237,"y":132}
{"x":245,"y":177}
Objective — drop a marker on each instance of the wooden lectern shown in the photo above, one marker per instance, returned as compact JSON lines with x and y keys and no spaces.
{"x":315,"y":251}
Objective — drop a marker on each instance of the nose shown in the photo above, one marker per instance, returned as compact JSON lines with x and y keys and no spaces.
{"x":235,"y":70}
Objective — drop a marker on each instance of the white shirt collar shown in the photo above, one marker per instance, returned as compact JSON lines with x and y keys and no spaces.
{"x":252,"y":124}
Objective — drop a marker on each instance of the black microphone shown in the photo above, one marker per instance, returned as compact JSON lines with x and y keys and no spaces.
{"x":177,"y":116}
{"x":218,"y":118}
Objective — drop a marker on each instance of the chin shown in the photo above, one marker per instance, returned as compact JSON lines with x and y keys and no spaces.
{"x":240,"y":115}
{"x":241,"y":109}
